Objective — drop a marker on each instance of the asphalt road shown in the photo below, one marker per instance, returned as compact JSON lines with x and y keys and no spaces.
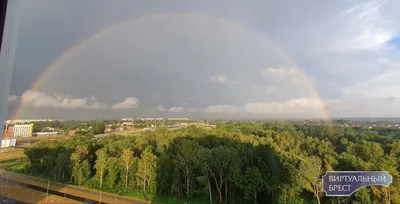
{"x":4,"y":200}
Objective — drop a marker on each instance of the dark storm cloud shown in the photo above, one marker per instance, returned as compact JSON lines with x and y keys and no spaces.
{"x":341,"y":45}
{"x":171,"y":55}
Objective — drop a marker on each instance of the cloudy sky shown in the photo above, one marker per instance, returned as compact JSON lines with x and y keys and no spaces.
{"x":207,"y":59}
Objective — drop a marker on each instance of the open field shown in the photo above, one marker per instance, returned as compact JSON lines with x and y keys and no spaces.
{"x":12,"y":156}
{"x":130,"y":131}
{"x":127,"y":132}
{"x":52,"y":137}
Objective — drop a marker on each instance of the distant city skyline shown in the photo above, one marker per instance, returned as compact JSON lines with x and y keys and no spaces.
{"x":214,"y":60}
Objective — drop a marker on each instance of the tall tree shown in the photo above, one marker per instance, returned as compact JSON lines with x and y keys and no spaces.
{"x":126,"y":160}
{"x":146,"y":169}
{"x":80,"y":164}
{"x":101,"y":164}
{"x":62,"y":164}
{"x":98,"y":128}
{"x":310,"y":173}
{"x":252,"y":183}
{"x":113,"y":169}
{"x":221,"y":165}
{"x":186,"y":155}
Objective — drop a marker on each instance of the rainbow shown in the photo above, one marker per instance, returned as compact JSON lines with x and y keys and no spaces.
{"x":38,"y":82}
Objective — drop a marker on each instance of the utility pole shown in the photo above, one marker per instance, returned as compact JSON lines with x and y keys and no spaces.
{"x":100,"y":197}
{"x":47,"y":196}
{"x":6,"y":182}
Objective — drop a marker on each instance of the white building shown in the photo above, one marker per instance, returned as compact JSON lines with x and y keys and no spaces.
{"x":178,"y":119}
{"x":128,"y":123}
{"x":28,"y":121}
{"x":23,"y":130}
{"x":151,"y":119}
{"x":8,"y":143}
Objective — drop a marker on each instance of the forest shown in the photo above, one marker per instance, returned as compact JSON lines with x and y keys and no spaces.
{"x":236,"y":162}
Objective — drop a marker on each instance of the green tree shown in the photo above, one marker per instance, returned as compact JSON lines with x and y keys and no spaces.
{"x":310,"y":173}
{"x":252,"y":183}
{"x":238,"y":161}
{"x":100,"y":165}
{"x":98,"y":128}
{"x":126,"y":160}
{"x":186,"y":155}
{"x":62,"y":162}
{"x":80,"y":165}
{"x":146,"y":170}
{"x":113,"y":169}
{"x":114,"y":126}
{"x":221,"y":165}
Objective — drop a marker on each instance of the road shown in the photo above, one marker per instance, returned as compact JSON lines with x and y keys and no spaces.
{"x":4,"y":199}
{"x":71,"y":192}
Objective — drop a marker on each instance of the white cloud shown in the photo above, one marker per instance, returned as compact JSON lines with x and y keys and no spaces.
{"x":12,"y":98}
{"x":130,"y":102}
{"x":314,"y":108}
{"x":222,"y":109}
{"x":365,"y":107}
{"x":307,"y":107}
{"x":180,"y":109}
{"x":270,"y":90}
{"x":341,"y":44}
{"x":41,"y":99}
{"x":160,"y":108}
{"x":367,"y":28}
{"x":184,"y":103}
{"x":385,"y":85}
{"x":177,"y":109}
{"x":287,"y":83}
{"x":191,"y":110}
{"x":220,"y":79}
{"x":293,"y":74}
{"x":280,"y":72}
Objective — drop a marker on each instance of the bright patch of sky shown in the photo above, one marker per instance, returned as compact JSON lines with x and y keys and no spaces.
{"x":395,"y":42}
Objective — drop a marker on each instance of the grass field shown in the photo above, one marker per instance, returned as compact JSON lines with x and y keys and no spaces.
{"x":128,"y":132}
{"x":40,"y":138}
{"x":12,"y":156}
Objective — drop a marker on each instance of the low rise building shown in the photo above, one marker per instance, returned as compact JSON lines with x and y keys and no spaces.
{"x":151,"y":119}
{"x":178,"y":119}
{"x":127,"y":123}
{"x":22,"y":130}
{"x":28,"y":121}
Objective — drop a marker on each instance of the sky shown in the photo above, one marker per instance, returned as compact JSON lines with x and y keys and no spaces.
{"x":206,"y":59}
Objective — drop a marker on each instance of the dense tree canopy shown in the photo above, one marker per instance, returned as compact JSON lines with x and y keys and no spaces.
{"x":237,"y":162}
